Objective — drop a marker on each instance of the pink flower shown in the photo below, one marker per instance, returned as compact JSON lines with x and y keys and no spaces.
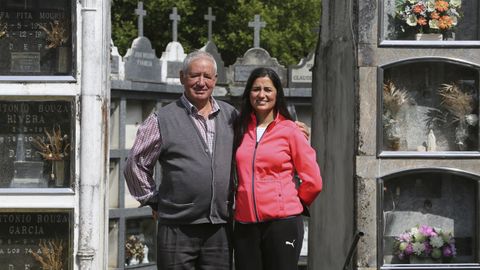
{"x":409,"y":250}
{"x":449,"y":251}
{"x":426,"y":230}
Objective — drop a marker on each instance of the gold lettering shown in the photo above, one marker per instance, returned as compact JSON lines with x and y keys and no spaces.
{"x":24,"y":16}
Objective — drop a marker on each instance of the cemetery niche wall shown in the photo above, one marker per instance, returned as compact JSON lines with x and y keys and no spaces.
{"x":35,"y":143}
{"x":415,"y":165}
{"x":36,"y":39}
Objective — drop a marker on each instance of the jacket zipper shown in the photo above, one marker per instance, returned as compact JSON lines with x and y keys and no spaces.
{"x":253,"y":170}
{"x":253,"y":180}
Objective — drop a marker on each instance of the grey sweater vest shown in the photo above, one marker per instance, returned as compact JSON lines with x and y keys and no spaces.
{"x":196,"y":185}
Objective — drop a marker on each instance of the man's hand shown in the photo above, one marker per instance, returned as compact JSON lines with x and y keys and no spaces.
{"x":304,"y":128}
{"x":155,"y":215}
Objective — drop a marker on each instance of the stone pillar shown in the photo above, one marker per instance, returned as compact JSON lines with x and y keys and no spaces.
{"x":333,"y":135}
{"x":94,"y":112}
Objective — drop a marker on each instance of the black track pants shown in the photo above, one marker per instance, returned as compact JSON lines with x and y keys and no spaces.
{"x":271,"y":245}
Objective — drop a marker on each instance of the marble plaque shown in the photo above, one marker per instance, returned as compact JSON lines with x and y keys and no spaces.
{"x":141,"y":63}
{"x":28,"y":236}
{"x":21,"y":124}
{"x":36,"y":38}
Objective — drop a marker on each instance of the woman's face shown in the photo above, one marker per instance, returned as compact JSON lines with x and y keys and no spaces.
{"x":263,"y":96}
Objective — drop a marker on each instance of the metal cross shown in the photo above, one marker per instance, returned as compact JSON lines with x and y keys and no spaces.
{"x":141,"y":13}
{"x":210,"y":18}
{"x":257,"y":26}
{"x":175,"y":18}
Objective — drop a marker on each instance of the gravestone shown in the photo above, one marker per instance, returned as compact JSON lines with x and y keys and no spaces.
{"x":239,"y":72}
{"x":172,"y":57}
{"x":28,"y":237}
{"x":301,"y":74}
{"x":21,"y":124}
{"x":141,"y":62}
{"x":116,"y":63}
{"x":36,"y":38}
{"x":255,"y":57}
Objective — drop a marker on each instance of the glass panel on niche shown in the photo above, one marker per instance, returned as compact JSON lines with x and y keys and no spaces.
{"x":430,"y":106}
{"x":114,"y":124}
{"x":35,"y":144}
{"x":112,"y":244}
{"x":31,"y":239}
{"x":137,"y":112}
{"x":113,"y":185}
{"x":140,"y":241}
{"x":432,"y":20}
{"x":431,"y":216}
{"x":36,"y":37}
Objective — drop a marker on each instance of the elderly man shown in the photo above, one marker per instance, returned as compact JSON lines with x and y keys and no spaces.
{"x":192,"y":139}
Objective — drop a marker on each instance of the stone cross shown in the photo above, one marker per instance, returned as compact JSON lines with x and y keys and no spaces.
{"x":141,"y":13}
{"x":210,"y":18}
{"x":256,"y":25}
{"x":175,"y":18}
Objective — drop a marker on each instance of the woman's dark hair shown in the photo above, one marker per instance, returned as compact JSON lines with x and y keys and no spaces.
{"x":246,"y":109}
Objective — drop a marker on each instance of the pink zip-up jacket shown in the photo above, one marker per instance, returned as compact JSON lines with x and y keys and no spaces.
{"x":266,"y":185}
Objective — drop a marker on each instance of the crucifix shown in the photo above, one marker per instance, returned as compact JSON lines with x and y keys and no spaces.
{"x":141,"y":13}
{"x":256,"y":25}
{"x":175,"y":18}
{"x":210,"y":18}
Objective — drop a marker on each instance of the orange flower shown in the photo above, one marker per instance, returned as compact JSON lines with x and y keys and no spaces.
{"x":422,"y":21}
{"x":445,"y":22}
{"x":434,"y":15}
{"x":418,"y":8}
{"x":441,"y":5}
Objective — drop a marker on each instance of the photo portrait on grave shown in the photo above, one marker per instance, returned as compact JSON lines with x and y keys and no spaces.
{"x":192,"y":139}
{"x":269,"y":150}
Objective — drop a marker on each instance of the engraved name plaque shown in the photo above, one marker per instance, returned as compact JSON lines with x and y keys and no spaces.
{"x":31,"y":239}
{"x":35,"y":139}
{"x":36,"y":37}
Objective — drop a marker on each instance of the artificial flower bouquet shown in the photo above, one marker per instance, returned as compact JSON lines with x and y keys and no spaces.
{"x":425,"y":242}
{"x":428,"y":16}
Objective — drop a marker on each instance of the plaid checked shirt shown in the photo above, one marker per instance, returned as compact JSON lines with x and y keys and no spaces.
{"x":146,"y":150}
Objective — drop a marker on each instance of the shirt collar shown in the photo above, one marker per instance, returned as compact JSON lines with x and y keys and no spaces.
{"x":193,"y":110}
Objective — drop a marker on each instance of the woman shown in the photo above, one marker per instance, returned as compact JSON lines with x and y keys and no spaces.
{"x":270,"y":149}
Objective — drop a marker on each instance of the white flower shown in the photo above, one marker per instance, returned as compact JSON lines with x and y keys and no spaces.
{"x":453,"y":12}
{"x":418,"y":248}
{"x":412,"y":20}
{"x":433,"y":24}
{"x":472,"y":119}
{"x":454,"y":20}
{"x":456,"y":3}
{"x":436,"y":241}
{"x":431,"y":5}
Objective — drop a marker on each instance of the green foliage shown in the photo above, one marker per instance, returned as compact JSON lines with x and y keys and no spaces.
{"x":289,"y":34}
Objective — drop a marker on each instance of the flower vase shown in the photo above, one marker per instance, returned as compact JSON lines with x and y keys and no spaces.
{"x":133,"y":261}
{"x":422,"y":260}
{"x":461,"y":135}
{"x":62,"y":59}
{"x":58,"y":172}
{"x":429,"y":37}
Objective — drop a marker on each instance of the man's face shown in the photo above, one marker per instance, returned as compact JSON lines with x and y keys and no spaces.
{"x":199,"y":81}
